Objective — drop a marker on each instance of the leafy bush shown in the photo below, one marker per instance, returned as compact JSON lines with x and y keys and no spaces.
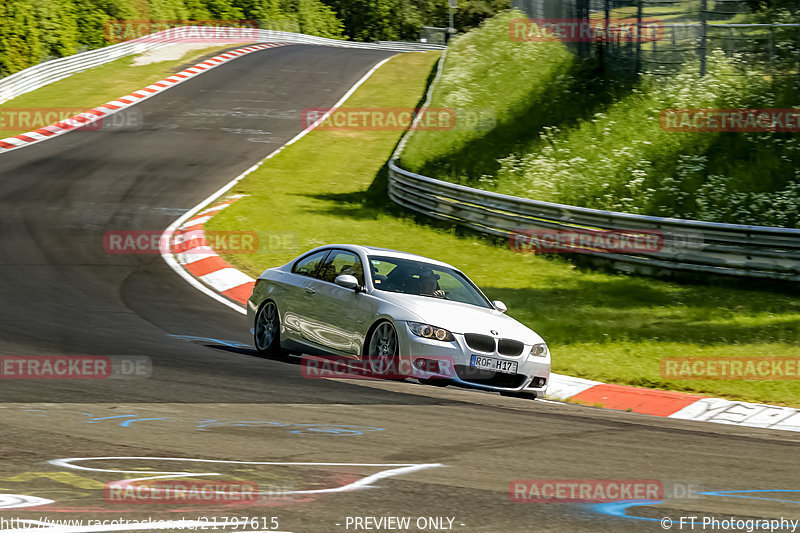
{"x":35,"y":30}
{"x":622,"y":160}
{"x":567,"y":134}
{"x":32,"y":31}
{"x":369,"y":20}
{"x":488,"y":74}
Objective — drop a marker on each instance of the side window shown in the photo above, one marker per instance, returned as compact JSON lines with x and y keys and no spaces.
{"x":342,"y":262}
{"x":381,"y":271}
{"x":307,"y":266}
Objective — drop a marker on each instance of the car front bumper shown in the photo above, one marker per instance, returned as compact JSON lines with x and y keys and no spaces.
{"x":433,"y":359}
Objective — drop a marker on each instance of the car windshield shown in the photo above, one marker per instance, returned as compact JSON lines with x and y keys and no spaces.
{"x":424,"y":279}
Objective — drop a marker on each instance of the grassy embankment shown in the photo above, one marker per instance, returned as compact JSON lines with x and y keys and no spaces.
{"x":565,"y":133}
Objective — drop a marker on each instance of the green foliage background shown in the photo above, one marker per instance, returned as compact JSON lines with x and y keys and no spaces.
{"x":389,"y":20}
{"x":32,"y":31}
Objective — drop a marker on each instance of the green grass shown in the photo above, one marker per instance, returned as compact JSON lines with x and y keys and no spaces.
{"x":566,"y":132}
{"x":486,"y":71}
{"x":330,"y":187}
{"x":97,"y":86}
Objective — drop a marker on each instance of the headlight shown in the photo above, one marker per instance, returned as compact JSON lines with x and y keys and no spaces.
{"x":430,"y":332}
{"x":539,"y":350}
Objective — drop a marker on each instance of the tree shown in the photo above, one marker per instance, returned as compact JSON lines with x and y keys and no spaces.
{"x":315,"y":18}
{"x":20,"y":46}
{"x":57,"y":27}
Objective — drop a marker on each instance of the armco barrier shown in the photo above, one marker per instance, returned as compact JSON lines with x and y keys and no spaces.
{"x":54,"y":70}
{"x":688,"y":245}
{"x":37,"y":76}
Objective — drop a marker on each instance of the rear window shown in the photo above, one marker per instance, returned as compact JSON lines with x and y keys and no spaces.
{"x":309,"y":265}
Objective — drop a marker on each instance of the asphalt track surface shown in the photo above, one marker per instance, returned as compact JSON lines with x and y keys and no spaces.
{"x":211,"y":397}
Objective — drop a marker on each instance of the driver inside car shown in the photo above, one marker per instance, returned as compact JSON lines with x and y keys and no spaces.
{"x":428,"y":284}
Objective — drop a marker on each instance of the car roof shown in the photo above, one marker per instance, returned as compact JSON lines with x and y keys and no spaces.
{"x":386,"y":252}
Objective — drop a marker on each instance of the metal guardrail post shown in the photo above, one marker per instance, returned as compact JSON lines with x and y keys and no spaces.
{"x":703,"y":30}
{"x":771,"y":48}
{"x":638,"y":37}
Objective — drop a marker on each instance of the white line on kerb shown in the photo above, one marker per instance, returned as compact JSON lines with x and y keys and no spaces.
{"x":121,"y":106}
{"x":164,"y":241}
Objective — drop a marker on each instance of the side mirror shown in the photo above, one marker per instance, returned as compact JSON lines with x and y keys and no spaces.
{"x":500,"y":306}
{"x":348,"y":282}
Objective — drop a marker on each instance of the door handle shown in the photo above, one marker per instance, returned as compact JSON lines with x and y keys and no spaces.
{"x":309,"y":290}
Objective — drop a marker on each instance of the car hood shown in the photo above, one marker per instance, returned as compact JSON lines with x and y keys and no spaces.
{"x":462,"y":318}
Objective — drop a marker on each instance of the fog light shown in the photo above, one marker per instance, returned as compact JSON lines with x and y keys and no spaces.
{"x":430,"y":366}
{"x":538,"y":383}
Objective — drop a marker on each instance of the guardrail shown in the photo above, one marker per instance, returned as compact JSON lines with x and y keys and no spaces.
{"x":688,"y":245}
{"x":685,"y":245}
{"x":54,"y":70}
{"x":45,"y":73}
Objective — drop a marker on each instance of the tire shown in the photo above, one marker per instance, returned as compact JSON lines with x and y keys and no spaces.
{"x":267,"y":330}
{"x":382,"y":351}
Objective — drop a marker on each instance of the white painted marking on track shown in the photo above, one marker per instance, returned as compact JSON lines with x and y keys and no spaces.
{"x":195,"y":254}
{"x":214,"y":208}
{"x":15,"y":501}
{"x":183,"y":237}
{"x":722,"y":411}
{"x":36,"y":136}
{"x":393,"y":469}
{"x":226,"y":278}
{"x":561,"y":386}
{"x":196,"y":222}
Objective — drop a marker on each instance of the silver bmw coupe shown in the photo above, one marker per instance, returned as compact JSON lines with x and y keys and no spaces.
{"x":399,"y":313}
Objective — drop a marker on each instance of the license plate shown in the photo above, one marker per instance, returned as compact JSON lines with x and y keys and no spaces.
{"x":497,"y":365}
